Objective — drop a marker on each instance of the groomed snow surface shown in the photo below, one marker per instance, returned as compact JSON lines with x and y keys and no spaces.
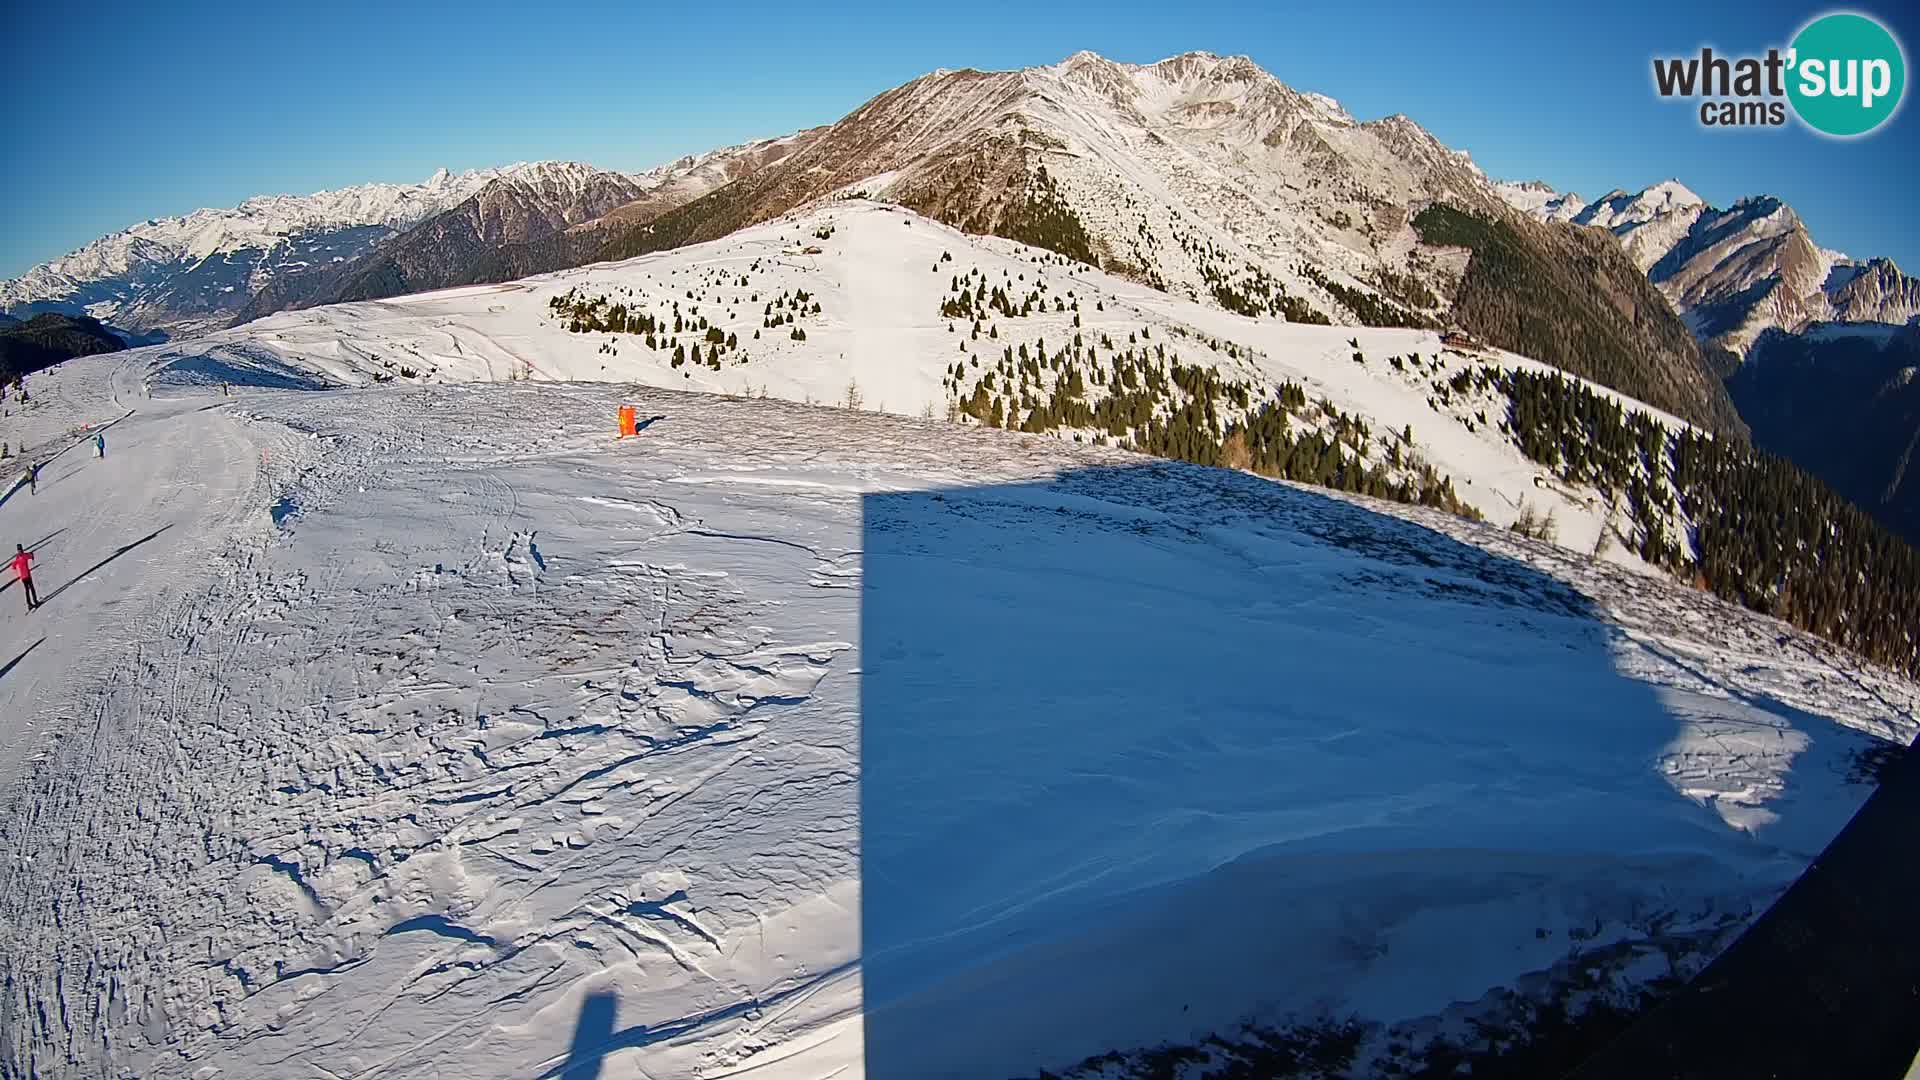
{"x":430,"y":730}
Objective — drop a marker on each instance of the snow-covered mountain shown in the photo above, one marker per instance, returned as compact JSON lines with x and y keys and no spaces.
{"x":687,"y":178}
{"x":854,"y":300}
{"x":1201,"y":174}
{"x":1538,"y":198}
{"x":440,"y":732}
{"x":1209,"y":179}
{"x":1809,"y":340}
{"x":548,"y":197}
{"x":1736,"y":273}
{"x":1649,"y":223}
{"x":186,"y":274}
{"x":1874,"y":291}
{"x":554,"y":215}
{"x":466,"y":242}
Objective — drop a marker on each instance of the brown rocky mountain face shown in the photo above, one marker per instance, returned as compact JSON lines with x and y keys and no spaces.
{"x":536,"y":218}
{"x":497,"y":234}
{"x":681,"y":181}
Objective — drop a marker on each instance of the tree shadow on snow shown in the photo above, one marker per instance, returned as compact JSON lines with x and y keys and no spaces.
{"x":1146,"y":750}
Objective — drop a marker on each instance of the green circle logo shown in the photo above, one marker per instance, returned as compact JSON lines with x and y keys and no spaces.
{"x":1848,"y":74}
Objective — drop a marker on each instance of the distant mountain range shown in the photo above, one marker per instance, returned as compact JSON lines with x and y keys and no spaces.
{"x":460,"y":244}
{"x":1736,"y":273}
{"x":210,"y":269}
{"x":186,"y":275}
{"x":1201,"y":175}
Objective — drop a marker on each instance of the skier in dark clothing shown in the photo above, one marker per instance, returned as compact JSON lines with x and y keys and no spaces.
{"x":23,"y":569}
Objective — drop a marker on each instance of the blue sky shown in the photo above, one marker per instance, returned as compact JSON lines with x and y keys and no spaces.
{"x":122,"y":112}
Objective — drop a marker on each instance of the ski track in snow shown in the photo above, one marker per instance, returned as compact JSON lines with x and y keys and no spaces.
{"x":435,"y":717}
{"x":470,"y":735}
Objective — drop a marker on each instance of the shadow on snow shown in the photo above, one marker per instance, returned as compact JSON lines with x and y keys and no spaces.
{"x":117,"y":552}
{"x":595,"y":1037}
{"x":590,"y":1037}
{"x":1145,"y":750}
{"x":15,"y":662}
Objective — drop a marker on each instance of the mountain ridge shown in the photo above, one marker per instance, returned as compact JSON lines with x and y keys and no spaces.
{"x":185,"y":274}
{"x":464,"y":242}
{"x":1202,"y":175}
{"x":1736,"y":273}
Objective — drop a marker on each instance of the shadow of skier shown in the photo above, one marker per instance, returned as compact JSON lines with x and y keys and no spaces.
{"x":587,"y":1055}
{"x":119,"y":551}
{"x":15,"y":662}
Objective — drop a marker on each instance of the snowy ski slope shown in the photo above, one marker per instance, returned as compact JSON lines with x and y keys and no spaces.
{"x":428,"y":730}
{"x":879,"y":277}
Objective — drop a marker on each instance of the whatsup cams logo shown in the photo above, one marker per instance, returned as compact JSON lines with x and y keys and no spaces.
{"x":1843,"y":75}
